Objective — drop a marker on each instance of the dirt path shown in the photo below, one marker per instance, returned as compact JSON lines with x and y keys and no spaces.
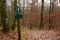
{"x":32,"y":35}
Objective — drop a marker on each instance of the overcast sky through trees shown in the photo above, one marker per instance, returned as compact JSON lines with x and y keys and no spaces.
{"x":46,"y":2}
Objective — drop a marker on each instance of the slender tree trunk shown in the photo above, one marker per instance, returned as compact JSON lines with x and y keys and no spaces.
{"x":19,"y":32}
{"x":23,"y":11}
{"x":52,"y":13}
{"x":27,"y":13}
{"x":14,"y":22}
{"x":31,"y":9}
{"x":52,"y":7}
{"x":41,"y":22}
{"x":51,"y":17}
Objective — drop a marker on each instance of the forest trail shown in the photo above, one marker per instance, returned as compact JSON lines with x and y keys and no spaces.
{"x":32,"y":35}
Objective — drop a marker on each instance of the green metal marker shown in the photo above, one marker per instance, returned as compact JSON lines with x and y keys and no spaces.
{"x":18,"y":13}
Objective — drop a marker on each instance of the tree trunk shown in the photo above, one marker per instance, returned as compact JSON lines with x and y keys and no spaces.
{"x":41,"y":22}
{"x":3,"y":15}
{"x":14,"y":22}
{"x":50,"y":17}
{"x":23,"y":12}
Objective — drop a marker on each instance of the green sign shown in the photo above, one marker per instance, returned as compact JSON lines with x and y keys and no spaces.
{"x":18,"y":16}
{"x":18,"y":13}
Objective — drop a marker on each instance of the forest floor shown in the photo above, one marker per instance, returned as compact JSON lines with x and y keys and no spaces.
{"x":27,"y":34}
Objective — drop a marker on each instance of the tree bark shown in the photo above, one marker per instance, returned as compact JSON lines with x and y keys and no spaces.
{"x":50,"y":16}
{"x":3,"y":15}
{"x":14,"y":22}
{"x":41,"y":22}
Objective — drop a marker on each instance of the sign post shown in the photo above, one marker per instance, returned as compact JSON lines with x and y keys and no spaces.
{"x":18,"y":16}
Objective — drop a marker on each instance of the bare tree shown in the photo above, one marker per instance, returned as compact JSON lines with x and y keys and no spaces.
{"x":50,"y":12}
{"x":42,"y":8}
{"x":23,"y":11}
{"x":14,"y":22}
{"x":3,"y":15}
